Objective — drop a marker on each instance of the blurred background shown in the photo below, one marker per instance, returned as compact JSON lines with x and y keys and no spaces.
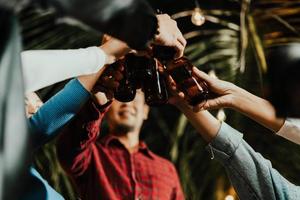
{"x":231,"y":44}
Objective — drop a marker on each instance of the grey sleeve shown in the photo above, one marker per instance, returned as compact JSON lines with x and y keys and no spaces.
{"x":249,"y":172}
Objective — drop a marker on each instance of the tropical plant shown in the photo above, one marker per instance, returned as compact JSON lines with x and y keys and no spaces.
{"x":231,"y":44}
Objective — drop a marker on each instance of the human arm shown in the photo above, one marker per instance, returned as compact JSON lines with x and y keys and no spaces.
{"x":231,"y":96}
{"x":42,"y":68}
{"x":57,"y":111}
{"x":258,"y":109}
{"x":62,"y":107}
{"x":251,"y":175}
{"x":115,"y":18}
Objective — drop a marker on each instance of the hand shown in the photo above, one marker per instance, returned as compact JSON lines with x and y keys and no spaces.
{"x":175,"y":96}
{"x":169,"y":34}
{"x":113,"y":48}
{"x":109,"y":80}
{"x":225,"y":92}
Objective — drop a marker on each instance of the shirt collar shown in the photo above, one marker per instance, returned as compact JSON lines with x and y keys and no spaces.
{"x":143,"y":148}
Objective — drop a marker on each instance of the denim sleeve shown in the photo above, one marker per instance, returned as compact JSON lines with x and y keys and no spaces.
{"x":57,"y":112}
{"x":249,"y":172}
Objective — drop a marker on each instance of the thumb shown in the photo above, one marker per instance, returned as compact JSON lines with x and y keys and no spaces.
{"x":212,"y":104}
{"x":203,"y":76}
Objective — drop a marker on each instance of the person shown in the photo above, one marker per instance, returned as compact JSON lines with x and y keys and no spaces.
{"x":57,"y":111}
{"x":119,"y":165}
{"x":252,"y":176}
{"x":117,"y":22}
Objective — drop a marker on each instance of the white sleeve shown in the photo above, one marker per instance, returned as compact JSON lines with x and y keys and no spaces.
{"x":42,"y":68}
{"x":290,"y":130}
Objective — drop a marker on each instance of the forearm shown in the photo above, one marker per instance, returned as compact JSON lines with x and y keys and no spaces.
{"x":57,"y":111}
{"x":42,"y":68}
{"x":257,"y":109}
{"x":206,"y":124}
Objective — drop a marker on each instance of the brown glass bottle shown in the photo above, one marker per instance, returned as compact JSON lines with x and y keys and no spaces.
{"x":154,"y":85}
{"x":141,"y":72}
{"x":126,"y":90}
{"x":195,"y":90}
{"x":145,"y":75}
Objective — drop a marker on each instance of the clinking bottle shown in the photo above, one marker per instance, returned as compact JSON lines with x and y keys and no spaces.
{"x":154,"y":84}
{"x":126,"y":90}
{"x":195,"y":90}
{"x":141,"y":72}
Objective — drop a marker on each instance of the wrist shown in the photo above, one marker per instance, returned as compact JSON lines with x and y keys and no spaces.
{"x":114,"y":50}
{"x":154,"y":33}
{"x":238,"y":98}
{"x":183,"y":107}
{"x":109,"y":57}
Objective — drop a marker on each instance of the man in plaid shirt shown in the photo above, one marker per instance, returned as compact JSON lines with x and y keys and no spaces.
{"x":118,"y":166}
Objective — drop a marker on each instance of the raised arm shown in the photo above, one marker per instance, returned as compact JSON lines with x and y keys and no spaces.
{"x":116,"y":17}
{"x":250,"y":173}
{"x":42,"y":68}
{"x":260,"y":110}
{"x":231,"y":96}
{"x":62,"y":107}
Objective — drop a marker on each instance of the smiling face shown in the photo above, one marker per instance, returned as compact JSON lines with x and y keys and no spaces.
{"x":126,"y":117}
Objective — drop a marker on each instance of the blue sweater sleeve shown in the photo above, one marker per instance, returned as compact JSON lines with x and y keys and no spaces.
{"x":252,"y":176}
{"x":57,"y":112}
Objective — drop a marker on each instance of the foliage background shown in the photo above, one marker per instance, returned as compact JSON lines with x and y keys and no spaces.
{"x":232,"y":42}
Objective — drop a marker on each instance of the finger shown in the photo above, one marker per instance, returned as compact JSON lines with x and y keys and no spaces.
{"x":109,"y":95}
{"x":182,"y":40}
{"x":160,"y":66}
{"x":202,"y":75}
{"x":212,"y":104}
{"x":140,"y":53}
{"x":181,"y":95}
{"x":111,"y":84}
{"x":179,"y":49}
{"x":117,"y":75}
{"x":200,"y":106}
{"x":106,"y":38}
{"x":99,"y":88}
{"x":119,"y":68}
{"x":105,"y":79}
{"x":170,"y":82}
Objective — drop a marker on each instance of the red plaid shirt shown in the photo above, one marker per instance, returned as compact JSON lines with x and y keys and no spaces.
{"x":104,"y":169}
